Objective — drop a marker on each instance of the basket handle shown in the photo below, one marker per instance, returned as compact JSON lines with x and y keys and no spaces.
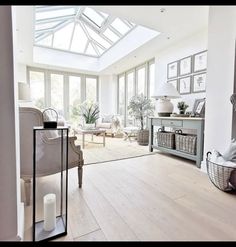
{"x":50,"y":109}
{"x":208,"y":154}
{"x":178,"y":131}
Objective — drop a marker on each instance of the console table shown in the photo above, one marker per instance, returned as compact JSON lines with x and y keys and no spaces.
{"x":179,"y":123}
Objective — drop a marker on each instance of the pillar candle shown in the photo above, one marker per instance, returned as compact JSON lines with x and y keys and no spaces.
{"x":49,"y":206}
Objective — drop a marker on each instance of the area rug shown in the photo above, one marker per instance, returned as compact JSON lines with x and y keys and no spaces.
{"x":115,"y":149}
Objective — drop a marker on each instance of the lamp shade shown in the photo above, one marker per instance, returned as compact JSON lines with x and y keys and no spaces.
{"x":167,"y":90}
{"x":23,"y":91}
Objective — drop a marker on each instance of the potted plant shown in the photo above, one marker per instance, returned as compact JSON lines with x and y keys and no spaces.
{"x":90,"y":112}
{"x":140,"y":108}
{"x":182,"y":106}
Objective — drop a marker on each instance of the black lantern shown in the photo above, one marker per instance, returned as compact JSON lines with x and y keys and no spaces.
{"x":50,"y":193}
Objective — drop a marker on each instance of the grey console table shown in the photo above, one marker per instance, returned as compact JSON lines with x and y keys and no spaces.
{"x":179,"y":123}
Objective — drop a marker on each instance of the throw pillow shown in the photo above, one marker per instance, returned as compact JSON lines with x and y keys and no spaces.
{"x":230,"y":153}
{"x":107,"y":119}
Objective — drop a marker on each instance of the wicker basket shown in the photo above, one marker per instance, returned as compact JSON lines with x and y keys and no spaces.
{"x":185,"y":142}
{"x":165,"y":139}
{"x":143,"y":137}
{"x":220,"y":175}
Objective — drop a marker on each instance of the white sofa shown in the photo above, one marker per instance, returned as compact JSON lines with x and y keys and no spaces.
{"x":111,"y":123}
{"x":49,"y":162}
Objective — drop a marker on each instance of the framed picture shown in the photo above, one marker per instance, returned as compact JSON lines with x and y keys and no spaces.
{"x":172,"y":70}
{"x":185,"y":66}
{"x":199,"y":108}
{"x":199,"y":83}
{"x":174,"y":83}
{"x":185,"y":85}
{"x":200,"y":61}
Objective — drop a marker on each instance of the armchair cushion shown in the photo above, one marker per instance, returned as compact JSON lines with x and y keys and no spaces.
{"x":104,"y":125}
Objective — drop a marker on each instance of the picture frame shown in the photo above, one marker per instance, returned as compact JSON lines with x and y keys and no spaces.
{"x":185,"y":66}
{"x":199,"y":83}
{"x":200,"y":61}
{"x":174,"y":83}
{"x":172,"y":70}
{"x":199,"y":108}
{"x":185,"y":85}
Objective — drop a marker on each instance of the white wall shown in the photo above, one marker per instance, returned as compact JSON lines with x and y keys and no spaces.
{"x":220,"y":77}
{"x":184,"y":48}
{"x":108,"y":94}
{"x":21,"y":72}
{"x":8,"y":175}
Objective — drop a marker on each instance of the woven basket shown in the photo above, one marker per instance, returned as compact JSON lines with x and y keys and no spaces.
{"x":165,"y":139}
{"x":220,"y":175}
{"x":143,"y":137}
{"x":185,"y":142}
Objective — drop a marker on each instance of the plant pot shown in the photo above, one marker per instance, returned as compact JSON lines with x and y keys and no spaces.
{"x":88,"y":126}
{"x":143,"y":137}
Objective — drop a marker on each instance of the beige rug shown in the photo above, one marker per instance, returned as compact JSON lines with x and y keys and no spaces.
{"x":115,"y":148}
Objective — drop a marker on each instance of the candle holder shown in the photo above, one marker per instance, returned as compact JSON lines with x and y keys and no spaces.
{"x":50,"y":193}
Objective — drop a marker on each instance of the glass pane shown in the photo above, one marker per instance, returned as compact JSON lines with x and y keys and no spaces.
{"x":47,"y":25}
{"x":79,"y":40}
{"x":91,"y":89}
{"x":97,"y":38}
{"x":100,"y":49}
{"x":120,"y":26}
{"x":54,"y":13}
{"x":47,"y":41}
{"x":37,"y":88}
{"x":122,"y":98}
{"x":90,"y":14}
{"x":111,"y":35}
{"x":74,"y":98}
{"x":57,"y":92}
{"x":130,"y":94}
{"x":90,"y":50}
{"x":63,"y":36}
{"x":141,"y":81}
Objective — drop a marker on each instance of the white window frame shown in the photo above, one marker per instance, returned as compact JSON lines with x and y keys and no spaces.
{"x":147,"y":84}
{"x":66,"y":74}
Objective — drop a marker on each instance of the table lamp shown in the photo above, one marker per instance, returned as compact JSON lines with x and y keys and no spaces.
{"x":23,"y":91}
{"x":164,"y":106}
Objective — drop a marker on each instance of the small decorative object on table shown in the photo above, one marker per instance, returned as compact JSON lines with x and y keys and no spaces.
{"x":182,"y":106}
{"x":50,"y":118}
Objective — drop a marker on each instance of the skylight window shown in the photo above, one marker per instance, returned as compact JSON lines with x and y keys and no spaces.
{"x":93,"y":16}
{"x":120,"y":26}
{"x":78,"y":29}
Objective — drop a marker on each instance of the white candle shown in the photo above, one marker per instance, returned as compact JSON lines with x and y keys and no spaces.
{"x":49,"y":206}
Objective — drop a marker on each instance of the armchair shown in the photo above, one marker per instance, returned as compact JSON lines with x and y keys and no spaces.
{"x":49,"y":162}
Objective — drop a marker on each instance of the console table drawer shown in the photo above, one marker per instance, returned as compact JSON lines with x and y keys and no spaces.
{"x":172,"y":123}
{"x":156,"y":122}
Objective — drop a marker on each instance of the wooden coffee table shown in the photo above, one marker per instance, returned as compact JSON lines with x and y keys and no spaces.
{"x":91,"y":132}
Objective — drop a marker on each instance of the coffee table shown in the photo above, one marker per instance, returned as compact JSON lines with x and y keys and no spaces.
{"x":91,"y":132}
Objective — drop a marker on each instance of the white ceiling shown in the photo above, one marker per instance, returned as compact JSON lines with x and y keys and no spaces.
{"x":175,"y":23}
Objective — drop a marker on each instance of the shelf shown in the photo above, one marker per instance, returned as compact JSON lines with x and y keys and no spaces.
{"x":176,"y":152}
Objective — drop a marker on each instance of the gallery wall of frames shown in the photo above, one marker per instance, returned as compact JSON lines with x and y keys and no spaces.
{"x":188,"y":74}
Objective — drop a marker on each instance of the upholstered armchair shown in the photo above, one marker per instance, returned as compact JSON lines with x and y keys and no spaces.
{"x":49,"y":162}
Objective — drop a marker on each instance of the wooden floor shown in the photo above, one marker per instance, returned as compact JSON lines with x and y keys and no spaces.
{"x":158,"y":197}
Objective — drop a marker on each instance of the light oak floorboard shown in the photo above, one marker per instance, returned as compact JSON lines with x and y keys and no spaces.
{"x":156,"y":197}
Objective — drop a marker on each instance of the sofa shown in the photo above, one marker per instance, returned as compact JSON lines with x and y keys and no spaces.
{"x":111,"y":123}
